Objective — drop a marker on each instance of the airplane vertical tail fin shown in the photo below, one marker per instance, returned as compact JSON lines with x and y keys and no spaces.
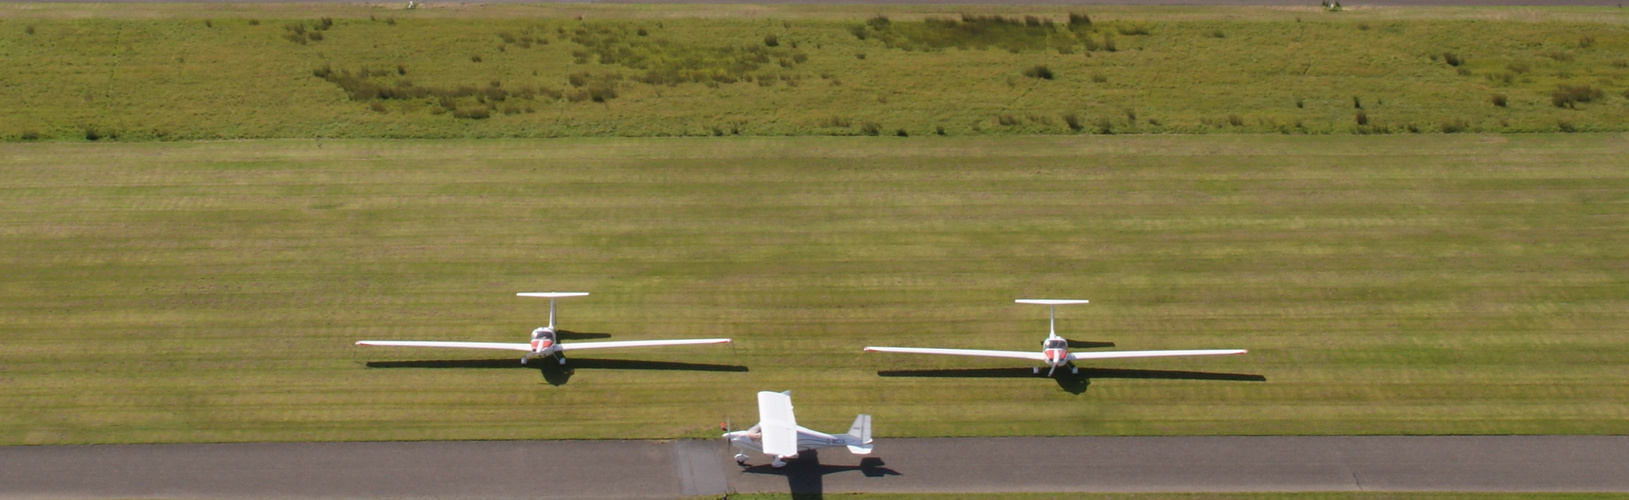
{"x":859,"y":435}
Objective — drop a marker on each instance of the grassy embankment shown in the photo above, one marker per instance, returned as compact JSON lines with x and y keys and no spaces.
{"x":1385,"y":285}
{"x":164,"y":72}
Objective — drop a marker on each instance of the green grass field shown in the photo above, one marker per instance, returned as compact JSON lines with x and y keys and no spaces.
{"x":168,"y":72}
{"x":211,"y":291}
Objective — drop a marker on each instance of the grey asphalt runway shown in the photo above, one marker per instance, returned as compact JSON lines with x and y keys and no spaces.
{"x":651,"y":469}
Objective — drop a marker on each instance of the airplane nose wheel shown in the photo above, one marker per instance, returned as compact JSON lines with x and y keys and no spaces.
{"x":1074,"y":370}
{"x":778,"y":463}
{"x":741,"y":459}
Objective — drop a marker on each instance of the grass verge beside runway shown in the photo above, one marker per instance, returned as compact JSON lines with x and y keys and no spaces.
{"x":197,"y":292}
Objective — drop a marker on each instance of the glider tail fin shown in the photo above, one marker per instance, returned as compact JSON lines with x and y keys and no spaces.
{"x":859,"y":435}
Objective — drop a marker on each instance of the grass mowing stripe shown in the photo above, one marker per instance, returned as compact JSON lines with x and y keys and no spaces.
{"x":211,"y":291}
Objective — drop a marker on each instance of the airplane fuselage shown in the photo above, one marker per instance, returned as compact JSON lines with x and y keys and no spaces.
{"x":807,"y":440}
{"x":544,"y":344}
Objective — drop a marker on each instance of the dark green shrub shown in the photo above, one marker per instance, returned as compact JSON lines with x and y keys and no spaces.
{"x":1357,"y":103}
{"x":1568,"y":96}
{"x":1234,"y":120}
{"x":474,"y":58}
{"x":1362,"y":118}
{"x":1454,"y":126}
{"x":28,"y":30}
{"x":1498,"y":100}
{"x":34,"y":136}
{"x":1105,"y":126}
{"x":1452,"y":59}
{"x":1099,"y":78}
{"x":1073,"y":121}
{"x":1007,"y":120}
{"x":1079,"y":21}
{"x":871,"y":128}
{"x":772,"y":41}
{"x":1041,"y":72}
{"x":1566,"y":126}
{"x":902,"y":133}
{"x":377,"y":106}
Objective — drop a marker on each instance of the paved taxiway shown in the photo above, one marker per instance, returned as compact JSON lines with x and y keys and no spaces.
{"x":652,"y":469}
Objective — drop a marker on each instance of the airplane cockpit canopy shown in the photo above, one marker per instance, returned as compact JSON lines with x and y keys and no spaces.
{"x":542,"y":333}
{"x":1055,"y":344}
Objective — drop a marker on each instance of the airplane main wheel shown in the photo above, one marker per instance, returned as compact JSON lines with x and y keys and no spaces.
{"x":1074,"y":370}
{"x":523,"y":361}
{"x":778,"y":463}
{"x":562,"y":361}
{"x":1036,"y":371}
{"x":741,"y":458}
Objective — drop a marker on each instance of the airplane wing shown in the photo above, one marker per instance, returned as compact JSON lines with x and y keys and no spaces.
{"x":462,"y":345}
{"x":1031,"y":355}
{"x":571,"y":346}
{"x":779,"y":426}
{"x":1150,"y":354}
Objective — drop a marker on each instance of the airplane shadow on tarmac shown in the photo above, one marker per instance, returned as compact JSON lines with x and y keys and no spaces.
{"x":1074,"y":383}
{"x":553,"y":372}
{"x":805,"y":474}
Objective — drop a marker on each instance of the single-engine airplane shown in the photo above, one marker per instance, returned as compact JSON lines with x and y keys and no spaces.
{"x":544,"y":342}
{"x":779,"y":435}
{"x":1055,"y":350}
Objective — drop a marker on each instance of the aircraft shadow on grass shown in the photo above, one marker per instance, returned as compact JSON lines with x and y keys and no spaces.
{"x":805,"y":475}
{"x":553,"y":372}
{"x":1074,"y":383}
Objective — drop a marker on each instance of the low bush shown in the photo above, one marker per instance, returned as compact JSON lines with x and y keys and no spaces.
{"x":1568,"y":96}
{"x":1105,"y":126}
{"x":1498,"y":100}
{"x":1041,"y":72}
{"x":1452,"y":59}
{"x":1454,"y":126}
{"x":475,"y":113}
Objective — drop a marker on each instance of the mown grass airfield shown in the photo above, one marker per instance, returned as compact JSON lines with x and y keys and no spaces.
{"x":1447,"y":265}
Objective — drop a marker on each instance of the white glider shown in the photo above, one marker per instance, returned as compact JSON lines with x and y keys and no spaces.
{"x":779,"y":435}
{"x":544,"y":341}
{"x":1055,"y":350}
